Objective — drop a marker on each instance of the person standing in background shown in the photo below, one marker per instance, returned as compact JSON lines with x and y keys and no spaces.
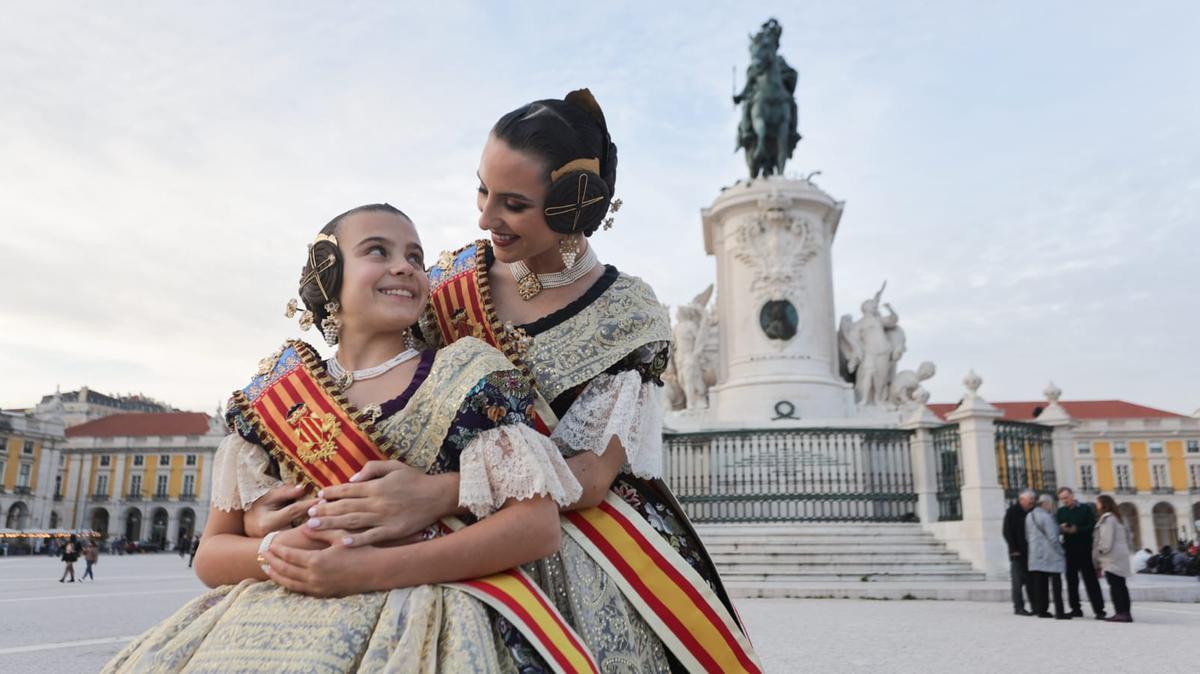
{"x":1110,"y":551}
{"x":1018,"y":550}
{"x":1076,"y":521}
{"x":1046,"y":559}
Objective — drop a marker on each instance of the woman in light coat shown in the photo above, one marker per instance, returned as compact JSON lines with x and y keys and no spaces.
{"x":1046,"y":558}
{"x":1110,"y":554}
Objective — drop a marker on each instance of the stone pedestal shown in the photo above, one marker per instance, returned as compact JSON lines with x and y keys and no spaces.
{"x":778,"y":349}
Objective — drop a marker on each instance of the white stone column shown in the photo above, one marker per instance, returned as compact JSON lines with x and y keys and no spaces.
{"x":924,"y":461}
{"x":981,"y":540}
{"x":80,"y":472}
{"x":1063,"y":438}
{"x":772,"y":240}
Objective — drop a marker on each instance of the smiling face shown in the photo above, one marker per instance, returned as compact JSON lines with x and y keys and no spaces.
{"x":384,"y":285}
{"x":511,"y":200}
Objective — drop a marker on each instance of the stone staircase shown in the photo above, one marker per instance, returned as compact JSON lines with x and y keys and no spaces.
{"x":836,"y":559}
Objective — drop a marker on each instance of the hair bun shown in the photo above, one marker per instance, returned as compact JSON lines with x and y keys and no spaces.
{"x":584,"y":100}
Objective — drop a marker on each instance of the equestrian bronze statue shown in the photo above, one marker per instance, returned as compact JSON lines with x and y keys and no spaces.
{"x":768,"y":128}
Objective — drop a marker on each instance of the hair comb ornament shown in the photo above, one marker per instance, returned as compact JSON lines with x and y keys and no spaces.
{"x":315,"y":268}
{"x":577,"y":192}
{"x":612,"y":210}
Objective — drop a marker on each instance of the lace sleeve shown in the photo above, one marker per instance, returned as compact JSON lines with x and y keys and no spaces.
{"x":620,"y":405}
{"x":241,"y":473}
{"x":512,"y":461}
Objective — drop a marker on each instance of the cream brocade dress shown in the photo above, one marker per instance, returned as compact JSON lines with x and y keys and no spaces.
{"x":257,"y":626}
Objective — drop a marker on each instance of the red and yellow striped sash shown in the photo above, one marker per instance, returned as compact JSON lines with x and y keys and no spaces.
{"x":514,"y":595}
{"x":301,"y":422}
{"x":463,"y":308}
{"x":670,"y":595}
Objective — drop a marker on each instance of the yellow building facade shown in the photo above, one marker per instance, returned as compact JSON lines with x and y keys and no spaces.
{"x":143,"y":477}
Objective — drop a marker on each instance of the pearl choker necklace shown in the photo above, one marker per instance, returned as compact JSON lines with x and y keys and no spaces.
{"x":345,"y":378}
{"x":530,"y":284}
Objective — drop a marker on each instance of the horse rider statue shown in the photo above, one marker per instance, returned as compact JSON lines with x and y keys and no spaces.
{"x":768,"y":127}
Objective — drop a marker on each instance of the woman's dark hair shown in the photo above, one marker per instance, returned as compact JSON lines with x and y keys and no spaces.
{"x":329,"y":279}
{"x":1106,"y":504}
{"x":560,"y":131}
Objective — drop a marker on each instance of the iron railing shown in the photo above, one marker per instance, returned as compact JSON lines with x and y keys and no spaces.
{"x":1024,"y":458}
{"x":947,"y":449}
{"x":819,"y":474}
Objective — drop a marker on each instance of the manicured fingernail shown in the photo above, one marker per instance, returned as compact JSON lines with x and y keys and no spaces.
{"x":314,"y":523}
{"x":322,"y":502}
{"x":321,"y":494}
{"x":312,"y":512}
{"x":347,"y":541}
{"x":355,"y":477}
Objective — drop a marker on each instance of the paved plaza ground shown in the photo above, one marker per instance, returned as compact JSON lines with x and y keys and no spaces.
{"x":48,"y":627}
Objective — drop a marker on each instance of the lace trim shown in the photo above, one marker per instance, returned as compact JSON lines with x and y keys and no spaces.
{"x":241,"y":474}
{"x":512,"y":462}
{"x":618,"y":405}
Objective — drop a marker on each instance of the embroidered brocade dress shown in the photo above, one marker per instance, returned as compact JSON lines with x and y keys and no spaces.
{"x":597,"y":363}
{"x":259,"y":626}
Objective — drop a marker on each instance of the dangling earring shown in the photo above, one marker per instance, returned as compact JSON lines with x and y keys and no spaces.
{"x":568,"y":248}
{"x":331,"y":325}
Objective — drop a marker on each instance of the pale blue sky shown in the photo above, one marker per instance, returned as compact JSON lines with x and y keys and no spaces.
{"x":1026,"y":175}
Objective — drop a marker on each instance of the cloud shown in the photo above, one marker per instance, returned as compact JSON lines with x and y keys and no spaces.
{"x":1032,"y":207}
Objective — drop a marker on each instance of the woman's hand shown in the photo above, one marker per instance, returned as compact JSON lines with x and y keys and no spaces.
{"x":334,"y":571}
{"x":276,"y":510}
{"x":384,"y":502}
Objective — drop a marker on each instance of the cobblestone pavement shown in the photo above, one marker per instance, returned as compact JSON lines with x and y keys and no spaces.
{"x":48,"y":627}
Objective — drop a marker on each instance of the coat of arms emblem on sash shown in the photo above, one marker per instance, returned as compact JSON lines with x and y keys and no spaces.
{"x":316,"y":434}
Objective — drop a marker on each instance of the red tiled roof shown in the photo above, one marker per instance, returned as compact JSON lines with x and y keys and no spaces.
{"x":1078,"y":409}
{"x":142,"y":423}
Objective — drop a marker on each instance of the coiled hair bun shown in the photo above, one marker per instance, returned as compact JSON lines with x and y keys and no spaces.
{"x":560,"y":131}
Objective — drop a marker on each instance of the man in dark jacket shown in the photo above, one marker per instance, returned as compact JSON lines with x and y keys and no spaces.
{"x":1018,"y":549}
{"x":1076,"y":521}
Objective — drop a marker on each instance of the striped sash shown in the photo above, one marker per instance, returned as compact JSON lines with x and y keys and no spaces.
{"x":514,"y":595}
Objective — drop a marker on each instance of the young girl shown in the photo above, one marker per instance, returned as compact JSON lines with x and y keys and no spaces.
{"x":463,"y":409}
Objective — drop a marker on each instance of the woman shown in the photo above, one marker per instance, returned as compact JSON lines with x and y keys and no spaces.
{"x":1046,"y":558}
{"x":1111,"y":543}
{"x":69,"y":556}
{"x":594,"y":342}
{"x":462,"y":409}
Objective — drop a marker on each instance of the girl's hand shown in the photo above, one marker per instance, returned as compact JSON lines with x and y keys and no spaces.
{"x":276,"y":510}
{"x":384,"y":502}
{"x":295,"y":538}
{"x":335,"y":571}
